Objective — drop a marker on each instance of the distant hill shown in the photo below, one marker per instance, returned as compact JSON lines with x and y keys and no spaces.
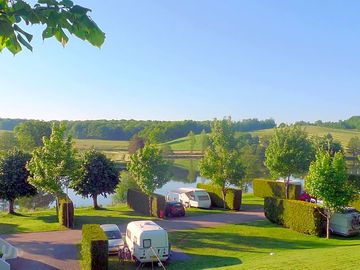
{"x":342,"y":135}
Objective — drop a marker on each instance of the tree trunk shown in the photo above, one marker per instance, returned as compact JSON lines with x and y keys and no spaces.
{"x":150,"y":205}
{"x":287,"y":182}
{"x":57,"y":205}
{"x":224,"y":196}
{"x":11,"y":207}
{"x":96,"y":206}
{"x":328,"y":217}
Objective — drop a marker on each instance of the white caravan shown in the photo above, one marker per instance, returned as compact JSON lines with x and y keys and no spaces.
{"x":190,"y":197}
{"x":147,"y":241}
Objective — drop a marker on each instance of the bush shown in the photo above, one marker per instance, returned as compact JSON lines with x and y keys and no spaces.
{"x":232,"y":199}
{"x":266,"y":188}
{"x":94,"y":248}
{"x":356,"y":203}
{"x":139,"y":202}
{"x":297,"y":215}
{"x":66,"y":211}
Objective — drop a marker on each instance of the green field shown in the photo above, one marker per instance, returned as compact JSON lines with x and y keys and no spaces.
{"x":41,"y":221}
{"x":183,"y":144}
{"x":259,"y":245}
{"x":342,"y":135}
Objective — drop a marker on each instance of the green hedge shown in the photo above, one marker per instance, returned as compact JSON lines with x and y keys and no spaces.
{"x":94,"y":248}
{"x":139,"y":202}
{"x":66,"y":210}
{"x":356,"y":203}
{"x":232,"y":199}
{"x":297,"y":215}
{"x":267,"y":188}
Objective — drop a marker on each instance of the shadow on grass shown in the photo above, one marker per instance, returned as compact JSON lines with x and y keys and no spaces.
{"x":195,"y":262}
{"x":249,"y":207}
{"x":7,"y":228}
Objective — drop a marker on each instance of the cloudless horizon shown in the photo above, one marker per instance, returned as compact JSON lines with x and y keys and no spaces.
{"x":175,"y":60}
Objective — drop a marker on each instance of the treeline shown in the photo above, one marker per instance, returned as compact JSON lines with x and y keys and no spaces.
{"x":351,"y":123}
{"x":156,"y":131}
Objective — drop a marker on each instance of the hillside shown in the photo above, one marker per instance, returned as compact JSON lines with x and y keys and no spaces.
{"x":342,"y":135}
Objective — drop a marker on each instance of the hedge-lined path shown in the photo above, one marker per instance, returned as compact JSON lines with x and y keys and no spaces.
{"x":57,"y":250}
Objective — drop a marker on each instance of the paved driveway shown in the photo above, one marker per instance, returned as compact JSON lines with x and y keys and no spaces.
{"x":57,"y":250}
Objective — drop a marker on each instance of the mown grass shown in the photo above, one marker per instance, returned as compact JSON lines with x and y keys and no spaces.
{"x":41,"y":221}
{"x":183,"y":144}
{"x":259,"y":245}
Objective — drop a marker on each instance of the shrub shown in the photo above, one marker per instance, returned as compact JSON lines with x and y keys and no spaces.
{"x":356,"y":203}
{"x":66,"y":211}
{"x":232,"y":199}
{"x":267,"y":188}
{"x":297,"y":215}
{"x":139,"y":202}
{"x":94,"y":248}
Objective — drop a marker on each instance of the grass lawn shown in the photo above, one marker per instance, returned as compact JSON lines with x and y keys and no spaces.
{"x":260,"y":245}
{"x":40,"y":221}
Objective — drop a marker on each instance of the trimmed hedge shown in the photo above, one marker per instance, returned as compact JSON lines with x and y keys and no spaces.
{"x":232,"y":199}
{"x":356,"y":204}
{"x":139,"y":202}
{"x":297,"y":215}
{"x":267,"y":188}
{"x":66,"y":210}
{"x":94,"y":248}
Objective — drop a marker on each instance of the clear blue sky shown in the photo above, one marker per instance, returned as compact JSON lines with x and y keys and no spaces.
{"x":170,"y":60}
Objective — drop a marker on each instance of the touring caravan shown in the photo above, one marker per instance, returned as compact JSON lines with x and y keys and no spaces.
{"x":147,"y":241}
{"x":190,"y":197}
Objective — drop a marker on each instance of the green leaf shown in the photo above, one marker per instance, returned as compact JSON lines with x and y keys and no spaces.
{"x":61,"y":36}
{"x":27,"y":35}
{"x":67,"y":3}
{"x":13,"y":45}
{"x":48,"y":32}
{"x":24,"y":42}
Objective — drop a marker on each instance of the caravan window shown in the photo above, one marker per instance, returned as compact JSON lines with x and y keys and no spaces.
{"x":191,"y":195}
{"x":147,"y":243}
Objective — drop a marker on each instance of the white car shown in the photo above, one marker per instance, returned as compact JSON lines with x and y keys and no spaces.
{"x":113,"y":234}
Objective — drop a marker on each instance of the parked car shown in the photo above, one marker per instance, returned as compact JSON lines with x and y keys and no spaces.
{"x":147,"y":241}
{"x":346,"y":223}
{"x":113,"y":234}
{"x":174,"y":209}
{"x":190,"y":197}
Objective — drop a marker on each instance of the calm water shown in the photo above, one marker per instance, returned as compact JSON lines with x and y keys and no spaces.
{"x":181,"y":177}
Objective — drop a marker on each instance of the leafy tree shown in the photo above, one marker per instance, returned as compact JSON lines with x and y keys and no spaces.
{"x":192,"y":140}
{"x":14,"y":177}
{"x":30,"y":134}
{"x":126,"y":182}
{"x":222,"y":160}
{"x":40,"y":200}
{"x":353,"y":148}
{"x":166,"y":150}
{"x":328,"y":181}
{"x":135,"y":143}
{"x":58,"y":16}
{"x":54,"y":163}
{"x":204,"y":140}
{"x":327,"y":143}
{"x":98,"y":175}
{"x":7,"y":141}
{"x":149,"y":169}
{"x":289,"y":153}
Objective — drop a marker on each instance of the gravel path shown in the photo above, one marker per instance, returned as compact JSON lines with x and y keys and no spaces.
{"x":57,"y":250}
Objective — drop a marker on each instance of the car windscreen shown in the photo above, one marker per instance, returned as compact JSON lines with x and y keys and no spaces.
{"x":113,"y":234}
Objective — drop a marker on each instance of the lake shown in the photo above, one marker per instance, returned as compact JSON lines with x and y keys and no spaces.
{"x":184,"y":174}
